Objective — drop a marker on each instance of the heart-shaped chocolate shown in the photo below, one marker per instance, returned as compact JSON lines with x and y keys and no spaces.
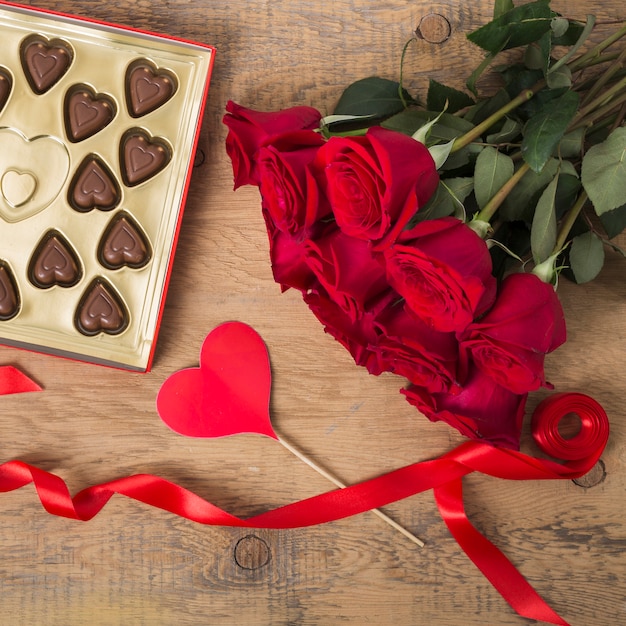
{"x":100,"y":310}
{"x":54,"y":263}
{"x":228,"y":394}
{"x":93,"y":186}
{"x":87,"y":112}
{"x":6,"y":84}
{"x":142,"y":156}
{"x":9,"y":295}
{"x":45,"y":61}
{"x":123,"y":244}
{"x":148,"y":87}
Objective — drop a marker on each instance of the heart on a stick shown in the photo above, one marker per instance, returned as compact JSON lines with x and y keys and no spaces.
{"x":228,"y":394}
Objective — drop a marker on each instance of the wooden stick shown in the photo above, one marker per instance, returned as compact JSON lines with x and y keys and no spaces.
{"x":338,"y":483}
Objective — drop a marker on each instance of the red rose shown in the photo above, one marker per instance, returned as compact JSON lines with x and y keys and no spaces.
{"x":289,"y":266}
{"x":357,"y":336}
{"x":288,"y":188}
{"x":482,"y":410}
{"x":510,"y":342}
{"x":348,"y":269}
{"x":442,"y":268}
{"x":376,"y":183}
{"x":248,"y":130}
{"x":409,"y":348}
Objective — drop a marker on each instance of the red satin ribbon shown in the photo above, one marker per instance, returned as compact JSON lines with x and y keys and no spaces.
{"x":443,"y":475}
{"x":14,"y":381}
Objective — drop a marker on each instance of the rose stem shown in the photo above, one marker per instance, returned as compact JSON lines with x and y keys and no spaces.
{"x":588,"y":57}
{"x":338,"y":483}
{"x":479,"y":129}
{"x":568,"y":222}
{"x":494,"y":203}
{"x":599,"y":84}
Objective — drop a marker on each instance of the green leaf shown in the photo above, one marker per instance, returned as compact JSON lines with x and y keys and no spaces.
{"x":543,"y":229}
{"x":571,"y":35}
{"x":509,"y":131}
{"x":591,"y":20}
{"x":567,"y":192}
{"x":520,"y":203}
{"x":493,"y":169}
{"x":439,"y":95}
{"x":423,"y":132}
{"x":571,"y":145}
{"x":559,"y":26}
{"x":543,"y":132}
{"x":537,"y":55}
{"x":462,"y":157}
{"x":502,"y":6}
{"x":517,"y":27}
{"x":604,"y":172}
{"x":586,"y":257}
{"x":446,"y":200}
{"x":373,"y":96}
{"x":614,"y":221}
{"x":411,"y":119}
{"x":560,"y":78}
{"x":484,"y":108}
{"x":440,"y":153}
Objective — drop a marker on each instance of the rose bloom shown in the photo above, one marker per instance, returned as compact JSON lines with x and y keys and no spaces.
{"x":411,"y":349}
{"x":510,"y":342}
{"x":358,"y":336}
{"x":287,"y":256}
{"x":289,"y":190}
{"x":376,"y":183}
{"x":349,"y":270}
{"x":248,"y":130}
{"x":442,"y":268}
{"x":482,"y":410}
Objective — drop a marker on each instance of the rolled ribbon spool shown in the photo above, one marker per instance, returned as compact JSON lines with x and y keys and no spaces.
{"x":590,"y":440}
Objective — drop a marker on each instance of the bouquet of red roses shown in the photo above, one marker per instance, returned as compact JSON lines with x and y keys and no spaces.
{"x":428,"y":240}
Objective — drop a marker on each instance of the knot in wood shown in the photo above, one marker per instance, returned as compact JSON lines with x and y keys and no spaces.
{"x":251,"y":552}
{"x":434,"y":28}
{"x":593,"y":477}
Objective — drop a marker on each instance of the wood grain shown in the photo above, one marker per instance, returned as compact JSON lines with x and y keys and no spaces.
{"x":134,"y":565}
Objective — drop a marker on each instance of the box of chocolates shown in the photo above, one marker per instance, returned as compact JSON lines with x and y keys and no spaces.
{"x":98,"y":129}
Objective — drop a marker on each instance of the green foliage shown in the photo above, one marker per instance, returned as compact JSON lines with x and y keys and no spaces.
{"x":604,"y":172}
{"x":493,"y":169}
{"x":441,"y":97}
{"x":536,"y":157}
{"x":544,"y":131}
{"x":377,"y":97}
{"x":586,"y":257}
{"x":519,"y":26}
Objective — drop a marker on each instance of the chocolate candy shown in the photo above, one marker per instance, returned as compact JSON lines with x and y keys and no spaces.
{"x":100,"y":310}
{"x":98,"y":126}
{"x":9,"y":297}
{"x":123,"y":244}
{"x":54,"y":263}
{"x":93,"y":186}
{"x":147,"y":87}
{"x":44,"y":61}
{"x":142,"y":156}
{"x":6,"y":82}
{"x":86,"y":112}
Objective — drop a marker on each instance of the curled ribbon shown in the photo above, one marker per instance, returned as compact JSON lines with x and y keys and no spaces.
{"x":443,"y":475}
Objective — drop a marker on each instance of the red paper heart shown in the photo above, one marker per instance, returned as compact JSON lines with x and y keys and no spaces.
{"x":228,"y":394}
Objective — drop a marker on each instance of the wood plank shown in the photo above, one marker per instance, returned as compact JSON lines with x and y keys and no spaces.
{"x":134,"y":565}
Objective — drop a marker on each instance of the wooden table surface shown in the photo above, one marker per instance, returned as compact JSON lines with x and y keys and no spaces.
{"x":136,"y":565}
